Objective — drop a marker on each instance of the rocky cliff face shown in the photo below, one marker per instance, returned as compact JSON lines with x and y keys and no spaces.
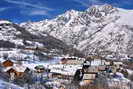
{"x":102,"y":30}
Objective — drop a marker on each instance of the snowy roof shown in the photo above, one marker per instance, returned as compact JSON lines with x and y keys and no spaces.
{"x":2,"y":60}
{"x":39,"y":67}
{"x":64,"y":69}
{"x":87,"y":63}
{"x":63,"y":72}
{"x":75,"y":62}
{"x":7,"y":68}
{"x":89,"y":76}
{"x":117,"y":63}
{"x":18,"y":68}
{"x":130,"y":71}
{"x":96,"y":63}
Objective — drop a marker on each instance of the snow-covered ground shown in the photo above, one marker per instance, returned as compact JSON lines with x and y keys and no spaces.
{"x":7,"y":85}
{"x":119,"y":81}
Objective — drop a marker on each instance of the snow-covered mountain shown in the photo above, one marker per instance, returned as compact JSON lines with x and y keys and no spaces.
{"x":101,"y":29}
{"x":17,"y":41}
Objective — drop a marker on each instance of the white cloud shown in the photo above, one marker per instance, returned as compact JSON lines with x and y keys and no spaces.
{"x":3,"y":9}
{"x":35,"y":12}
{"x":35,"y":5}
{"x":38,"y":12}
{"x":81,"y":2}
{"x":31,"y":8}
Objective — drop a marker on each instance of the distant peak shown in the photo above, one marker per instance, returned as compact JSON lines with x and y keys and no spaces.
{"x":4,"y":21}
{"x":70,"y":13}
{"x":101,"y":10}
{"x":101,"y":7}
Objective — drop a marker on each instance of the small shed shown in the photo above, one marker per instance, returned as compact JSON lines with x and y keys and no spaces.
{"x":40,"y":69}
{"x":88,"y":78}
{"x":7,"y":63}
{"x":13,"y":71}
{"x":18,"y":71}
{"x":102,"y":68}
{"x":117,"y":64}
{"x":107,"y":63}
{"x":92,"y":69}
{"x":90,"y":74}
{"x":62,"y":74}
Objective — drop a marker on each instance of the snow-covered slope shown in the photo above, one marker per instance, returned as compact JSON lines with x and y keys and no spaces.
{"x":6,"y":85}
{"x":100,"y":29}
{"x":18,"y":41}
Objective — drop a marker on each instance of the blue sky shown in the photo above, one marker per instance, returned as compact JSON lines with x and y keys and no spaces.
{"x":35,"y":10}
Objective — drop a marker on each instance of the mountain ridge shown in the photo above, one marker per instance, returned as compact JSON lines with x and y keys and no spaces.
{"x":101,"y":30}
{"x":84,"y":30}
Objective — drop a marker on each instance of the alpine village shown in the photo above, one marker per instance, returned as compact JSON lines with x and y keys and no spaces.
{"x":76,"y":50}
